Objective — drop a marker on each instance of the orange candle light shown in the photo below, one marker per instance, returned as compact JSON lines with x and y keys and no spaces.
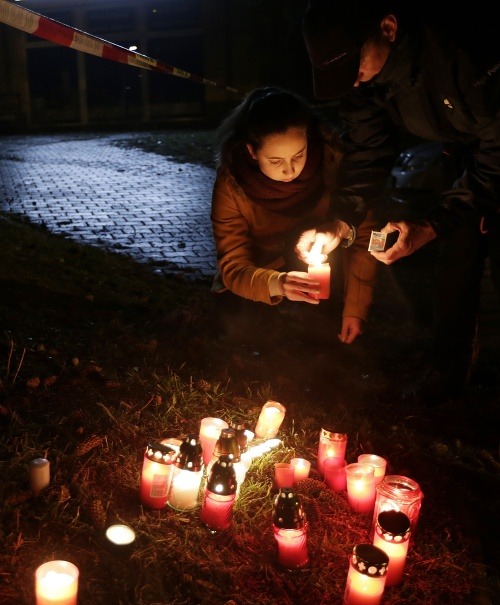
{"x":321,"y":272}
{"x":301,"y":469}
{"x":335,"y":477}
{"x":56,"y":583}
{"x":378,"y":463}
{"x":331,"y":445}
{"x":367,"y":575}
{"x":360,"y":487}
{"x":284,"y":474}
{"x":392,"y":535}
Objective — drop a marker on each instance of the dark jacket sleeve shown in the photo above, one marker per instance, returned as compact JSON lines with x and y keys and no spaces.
{"x":370,"y":148}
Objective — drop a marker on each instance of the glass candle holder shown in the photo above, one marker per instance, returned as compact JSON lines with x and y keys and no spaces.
{"x":366,"y":577}
{"x":397,"y":492}
{"x":335,"y":476}
{"x":210,"y":429}
{"x":156,"y":477}
{"x":321,"y":272}
{"x":301,"y":469}
{"x":378,"y":463}
{"x":219,"y":496}
{"x":270,"y":419}
{"x":284,"y":474}
{"x":187,"y":476}
{"x":392,"y":535}
{"x":360,"y":487}
{"x":38,"y":474}
{"x":331,"y":445}
{"x":290,"y":529}
{"x":56,"y":583}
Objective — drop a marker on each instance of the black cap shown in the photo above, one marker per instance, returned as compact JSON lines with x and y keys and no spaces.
{"x":334,"y":33}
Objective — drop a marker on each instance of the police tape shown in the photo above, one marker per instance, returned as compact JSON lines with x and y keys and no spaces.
{"x":33,"y":23}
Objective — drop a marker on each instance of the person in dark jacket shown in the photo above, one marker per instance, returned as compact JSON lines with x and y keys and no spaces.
{"x":395,"y":72}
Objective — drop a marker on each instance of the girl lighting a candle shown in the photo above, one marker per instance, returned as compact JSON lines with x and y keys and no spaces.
{"x":277,"y":161}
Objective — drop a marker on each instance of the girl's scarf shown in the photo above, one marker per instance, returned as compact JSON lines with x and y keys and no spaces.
{"x":288,"y":199}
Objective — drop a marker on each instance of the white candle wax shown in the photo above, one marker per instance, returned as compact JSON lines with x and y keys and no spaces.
{"x":121,"y":535}
{"x":378,"y":463}
{"x":185,"y":488}
{"x":270,"y":419}
{"x":56,"y":583}
{"x":301,"y":468}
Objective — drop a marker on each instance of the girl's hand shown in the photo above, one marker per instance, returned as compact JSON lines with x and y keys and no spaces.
{"x":300,"y":286}
{"x":352,"y":327}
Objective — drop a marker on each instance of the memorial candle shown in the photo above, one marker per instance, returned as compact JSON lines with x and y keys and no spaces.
{"x":378,"y":463}
{"x":392,"y":535}
{"x":56,"y":583}
{"x":360,"y":487}
{"x":270,"y":419}
{"x":397,"y":492}
{"x":156,"y":477}
{"x":366,"y":576}
{"x":301,"y":469}
{"x":187,"y":475}
{"x":210,"y":429}
{"x":322,"y":273}
{"x":39,"y":474}
{"x":331,"y":445}
{"x":290,"y":529}
{"x":219,"y":495}
{"x":334,"y":471}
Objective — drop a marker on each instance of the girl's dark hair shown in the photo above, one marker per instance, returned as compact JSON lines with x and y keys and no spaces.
{"x":264,"y":111}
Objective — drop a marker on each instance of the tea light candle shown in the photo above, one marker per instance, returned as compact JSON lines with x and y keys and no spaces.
{"x":378,"y":463}
{"x":284,"y":474}
{"x":210,"y":429}
{"x":120,"y":534}
{"x":39,"y":474}
{"x":334,"y":471}
{"x":360,"y":487}
{"x":392,"y":535}
{"x":321,"y":272}
{"x":331,"y":445}
{"x":270,"y":419}
{"x":366,"y":576}
{"x":120,"y":539}
{"x":301,"y":468}
{"x":56,"y":583}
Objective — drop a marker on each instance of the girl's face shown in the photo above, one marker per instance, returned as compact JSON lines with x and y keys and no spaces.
{"x":282,"y":156}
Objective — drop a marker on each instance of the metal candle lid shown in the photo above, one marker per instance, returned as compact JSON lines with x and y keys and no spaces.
{"x":332,"y":436}
{"x":190,"y":456}
{"x":241,"y":436}
{"x":227,"y":444}
{"x":370,"y":560}
{"x":393,"y":526}
{"x":158,"y":452}
{"x":222,"y":479}
{"x":288,"y":510}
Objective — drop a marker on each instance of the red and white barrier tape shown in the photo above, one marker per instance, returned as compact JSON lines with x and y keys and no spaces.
{"x":54,"y":31}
